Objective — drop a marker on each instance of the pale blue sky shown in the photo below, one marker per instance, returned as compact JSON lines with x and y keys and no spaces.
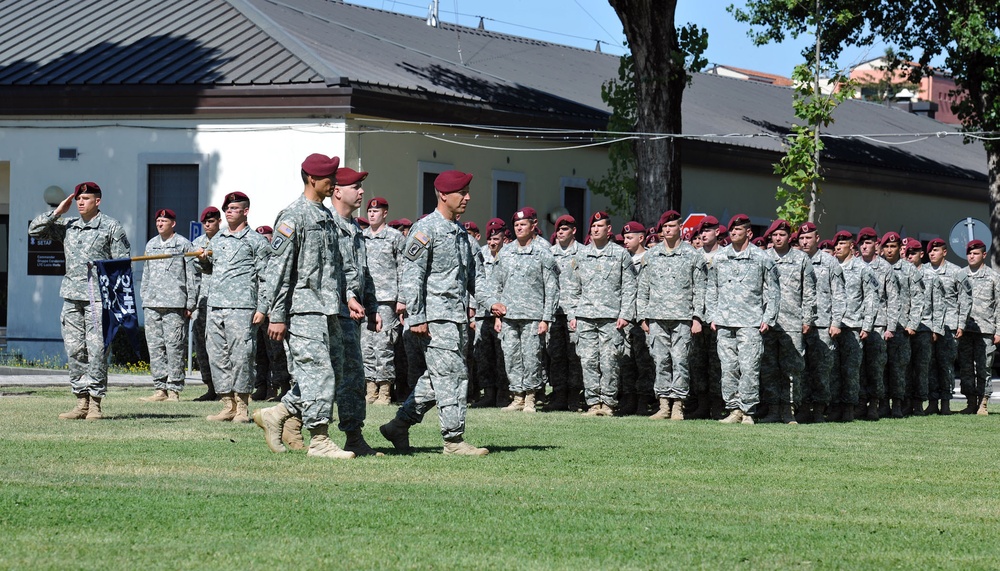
{"x":582,"y":23}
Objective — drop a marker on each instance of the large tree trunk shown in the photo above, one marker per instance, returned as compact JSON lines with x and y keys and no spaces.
{"x":993,"y":168}
{"x":660,"y":79}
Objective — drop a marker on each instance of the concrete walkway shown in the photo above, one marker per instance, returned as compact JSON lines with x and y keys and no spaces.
{"x":23,"y":377}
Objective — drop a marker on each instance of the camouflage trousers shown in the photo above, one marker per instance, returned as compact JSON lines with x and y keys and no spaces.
{"x":897,"y":361}
{"x":638,"y":371}
{"x":522,"y":354}
{"x":491,"y":367}
{"x":232,"y":347}
{"x":415,"y":365}
{"x":975,"y":353}
{"x":200,"y":347}
{"x":782,"y":367}
{"x":846,"y":378}
{"x":272,"y":362}
{"x":669,"y":344}
{"x":600,"y":346}
{"x":349,"y":366}
{"x":704,"y":365}
{"x":872,"y":378}
{"x":564,"y":363}
{"x":740,"y":351}
{"x":379,"y":348}
{"x":444,"y":382}
{"x":821,"y":351}
{"x":942,"y":378}
{"x":313,"y":341}
{"x":921,"y":353}
{"x":84,"y":341}
{"x":166,"y":336}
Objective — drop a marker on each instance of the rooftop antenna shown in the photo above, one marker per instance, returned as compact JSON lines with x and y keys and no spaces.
{"x":481,"y":25}
{"x":432,"y":14}
{"x":598,"y":48}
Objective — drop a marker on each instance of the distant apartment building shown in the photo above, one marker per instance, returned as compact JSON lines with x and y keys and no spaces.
{"x":936,"y":89}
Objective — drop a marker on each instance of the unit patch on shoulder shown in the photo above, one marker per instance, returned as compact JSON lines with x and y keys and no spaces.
{"x":417,"y":245}
{"x":285,"y":229}
{"x":277,"y":242}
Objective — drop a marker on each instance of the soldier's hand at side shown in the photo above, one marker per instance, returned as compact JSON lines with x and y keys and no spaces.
{"x":400,"y":308}
{"x":935,"y":337}
{"x":543,"y":327}
{"x":572,"y":325}
{"x":497,"y":325}
{"x":621,"y":323}
{"x":864,"y":335}
{"x":910,"y":332}
{"x":258,"y":318}
{"x":695,"y":327}
{"x":764,"y":328}
{"x":958,"y":333}
{"x":420,"y":330}
{"x":375,"y":322}
{"x":714,"y":328}
{"x":996,"y":339}
{"x":498,"y":309}
{"x":834,"y":331}
{"x":357,"y":311}
{"x":644,"y":325}
{"x":888,"y":335}
{"x":805,"y":329}
{"x":277,"y":331}
{"x":187,"y":314}
{"x":63,"y":207}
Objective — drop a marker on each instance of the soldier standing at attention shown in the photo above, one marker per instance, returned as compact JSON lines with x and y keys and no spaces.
{"x":981,"y":333}
{"x":784,"y":360}
{"x":742,"y":304}
{"x":942,"y":380}
{"x":911,"y":307}
{"x":440,"y":275}
{"x":930,"y":327}
{"x":92,"y":236}
{"x":886,"y":317}
{"x":670,"y":304}
{"x":523,"y":295}
{"x":384,"y":248}
{"x":565,"y":373}
{"x":237,"y":305}
{"x":487,"y":349}
{"x":602,"y":303}
{"x":638,"y":374}
{"x":169,"y":293}
{"x":703,"y":360}
{"x":210,"y":218}
{"x":304,"y":281}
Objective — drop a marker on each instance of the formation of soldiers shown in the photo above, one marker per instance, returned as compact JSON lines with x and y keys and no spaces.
{"x":718,"y":324}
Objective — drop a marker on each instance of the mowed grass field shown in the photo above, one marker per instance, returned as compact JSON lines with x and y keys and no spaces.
{"x":157,"y":487}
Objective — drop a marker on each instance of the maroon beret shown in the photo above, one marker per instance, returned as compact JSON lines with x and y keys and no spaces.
{"x":405,"y":223}
{"x":936,"y":243}
{"x":234,"y":197}
{"x":890,"y":237}
{"x":348,"y":176}
{"x":867,"y":233}
{"x":913,"y":244}
{"x":378,"y":202}
{"x":320,"y":165}
{"x":668,"y":216}
{"x":210,"y":211}
{"x":86,"y":188}
{"x":843,"y":236}
{"x":824,"y":244}
{"x":633,"y":228}
{"x":565,"y":220}
{"x":165,"y":213}
{"x":807,"y":228}
{"x":452,"y":181}
{"x":265,"y":230}
{"x":759,"y":242}
{"x":597,"y":216}
{"x":975,"y":245}
{"x":779,"y":224}
{"x":394,"y":224}
{"x":526,"y":213}
{"x":363,"y":221}
{"x":471,"y":226}
{"x":707,"y":223}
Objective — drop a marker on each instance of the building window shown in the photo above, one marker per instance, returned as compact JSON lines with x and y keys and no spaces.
{"x":174,"y":187}
{"x":576,"y":201}
{"x":507,"y":187}
{"x":426,"y":197}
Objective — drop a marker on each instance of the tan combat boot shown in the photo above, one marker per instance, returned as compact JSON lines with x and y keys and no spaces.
{"x":291,"y":433}
{"x":983,"y":404}
{"x":356,"y":444}
{"x":529,"y":402}
{"x":606,"y":410}
{"x":321,"y":446}
{"x":272,"y":421}
{"x":242,"y":415}
{"x":95,"y":409}
{"x":515,"y":405}
{"x":735,"y":417}
{"x":747,"y":419}
{"x":459,"y":447}
{"x":677,"y":410}
{"x":159,"y":395}
{"x":664,"y":411}
{"x":371,"y":392}
{"x":173,"y":396}
{"x":79,"y":411}
{"x":383,"y":394}
{"x":397,"y":432}
{"x":594,"y":410}
{"x":228,"y":411}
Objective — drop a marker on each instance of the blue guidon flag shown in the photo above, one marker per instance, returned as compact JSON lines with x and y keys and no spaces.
{"x":118,"y":300}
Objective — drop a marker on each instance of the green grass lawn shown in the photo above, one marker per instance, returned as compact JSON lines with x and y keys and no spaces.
{"x":157,"y":487}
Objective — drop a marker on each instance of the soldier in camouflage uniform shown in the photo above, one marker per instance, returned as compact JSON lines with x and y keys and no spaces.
{"x":304,"y":283}
{"x":237,"y":303}
{"x":861,"y":296}
{"x":92,"y":236}
{"x":930,"y":326}
{"x":886,"y":312}
{"x":942,"y":379}
{"x":169,"y":293}
{"x":741,"y":304}
{"x":638,"y":372}
{"x":601,"y":303}
{"x":384,"y":247}
{"x":490,"y":364}
{"x":565,"y":372}
{"x":210,"y":218}
{"x":670,"y":305}
{"x":782,"y":367}
{"x":273,"y":378}
{"x":821,"y":348}
{"x":441,"y":273}
{"x":911,"y":307}
{"x":523,"y":294}
{"x":704,"y":366}
{"x":981,"y":333}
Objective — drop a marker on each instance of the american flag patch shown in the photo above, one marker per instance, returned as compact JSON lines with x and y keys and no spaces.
{"x":285,"y":230}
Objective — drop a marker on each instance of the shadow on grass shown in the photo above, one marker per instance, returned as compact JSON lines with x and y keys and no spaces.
{"x":151,"y":415}
{"x":437,"y":449}
{"x":17,"y":394}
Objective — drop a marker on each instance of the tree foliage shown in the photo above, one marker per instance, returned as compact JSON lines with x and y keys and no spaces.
{"x":620,"y":184}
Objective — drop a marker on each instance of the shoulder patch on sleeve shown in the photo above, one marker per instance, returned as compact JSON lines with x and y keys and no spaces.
{"x":416,"y":246}
{"x":285,"y":229}
{"x":278,"y":243}
{"x":422,"y":238}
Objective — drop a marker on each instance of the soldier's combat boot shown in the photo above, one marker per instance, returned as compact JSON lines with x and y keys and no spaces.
{"x":515,"y":405}
{"x":606,"y":410}
{"x":95,"y":413}
{"x":356,"y":443}
{"x":872,"y":411}
{"x":642,"y":403}
{"x":773,"y":415}
{"x":371,"y":392}
{"x":321,"y":446}
{"x":383,"y":399}
{"x":228,"y":411}
{"x":291,"y":433}
{"x":209,"y":394}
{"x":817,"y":414}
{"x":918,"y":407}
{"x":907,"y":407}
{"x":489,"y":398}
{"x":459,"y":447}
{"x":735,"y":417}
{"x":971,"y":406}
{"x":173,"y":396}
{"x":594,"y":410}
{"x":945,"y":407}
{"x":932,"y":407}
{"x":272,"y":421}
{"x":397,"y":432}
{"x":677,"y":409}
{"x":717,"y":409}
{"x":79,"y":412}
{"x":702,"y":409}
{"x":896,"y":410}
{"x":786,"y":414}
{"x":504,"y":397}
{"x":803,"y":414}
{"x":664,"y":411}
{"x":242,"y":415}
{"x":984,"y":403}
{"x":884,"y":408}
{"x":574,"y":400}
{"x":847,"y":414}
{"x":834,"y":412}
{"x":747,"y":419}
{"x":159,"y":395}
{"x":529,"y":402}
{"x":557,"y":400}
{"x":627,"y":406}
